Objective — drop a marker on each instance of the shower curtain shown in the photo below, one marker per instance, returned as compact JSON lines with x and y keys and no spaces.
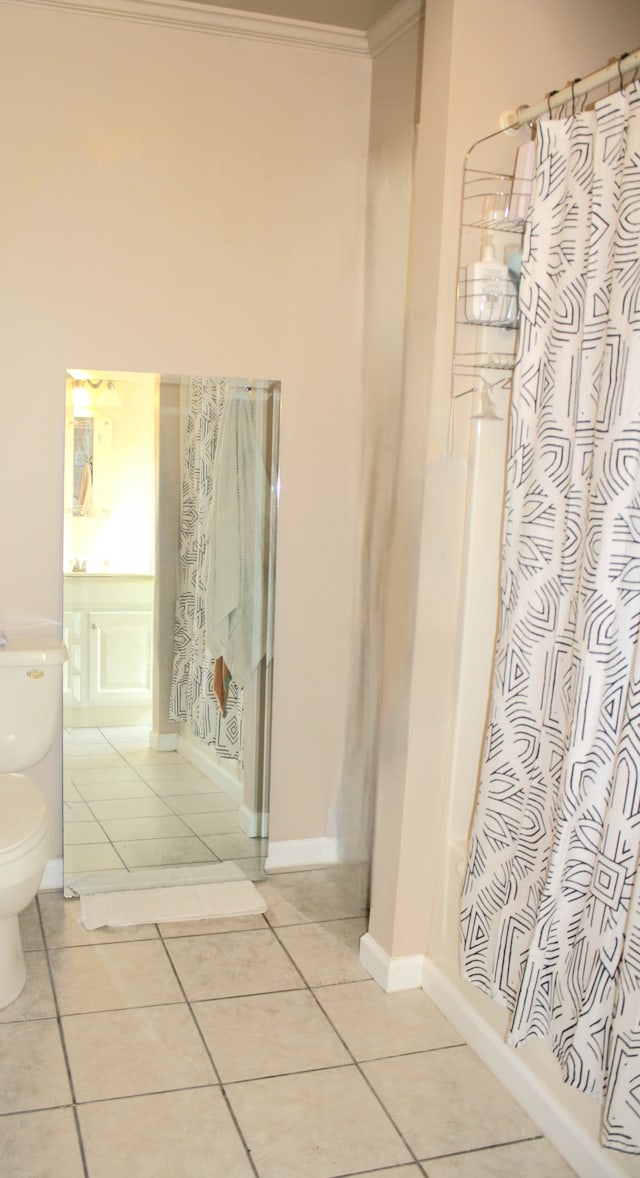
{"x":550,"y":910}
{"x":192,"y":696}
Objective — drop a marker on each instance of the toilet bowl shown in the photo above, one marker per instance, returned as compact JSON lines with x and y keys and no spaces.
{"x":30,"y":700}
{"x":25,"y":845}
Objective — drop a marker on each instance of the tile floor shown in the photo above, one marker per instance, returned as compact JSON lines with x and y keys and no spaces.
{"x":238,"y":1048}
{"x":128,"y":807}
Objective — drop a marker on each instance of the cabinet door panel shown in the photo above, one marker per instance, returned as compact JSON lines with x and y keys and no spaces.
{"x":72,"y":670}
{"x":120,"y":659}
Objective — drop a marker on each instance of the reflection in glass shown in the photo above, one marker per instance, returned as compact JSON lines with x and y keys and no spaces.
{"x":169,"y":629}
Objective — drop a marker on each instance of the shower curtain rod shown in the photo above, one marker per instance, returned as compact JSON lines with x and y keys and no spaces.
{"x":625,"y":64}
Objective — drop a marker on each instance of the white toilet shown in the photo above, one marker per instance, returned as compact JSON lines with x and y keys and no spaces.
{"x":30,"y":698}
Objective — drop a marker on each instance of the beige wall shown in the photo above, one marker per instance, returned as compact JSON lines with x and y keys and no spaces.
{"x":181,"y":202}
{"x":394,"y":93}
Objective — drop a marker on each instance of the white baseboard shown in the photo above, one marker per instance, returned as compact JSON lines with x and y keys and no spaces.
{"x":163,"y":742}
{"x":301,"y":853}
{"x":199,"y":757}
{"x":52,"y":876}
{"x":253,"y":823}
{"x":391,"y":973}
{"x":540,"y":1102}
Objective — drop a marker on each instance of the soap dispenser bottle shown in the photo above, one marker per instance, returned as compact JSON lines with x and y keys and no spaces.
{"x":487,"y":288}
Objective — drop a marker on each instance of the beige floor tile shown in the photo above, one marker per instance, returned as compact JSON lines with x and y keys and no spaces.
{"x":36,"y":1000}
{"x":77,"y":834}
{"x":214,"y":822}
{"x":527,"y":1159}
{"x":71,"y":794}
{"x":147,"y":756}
{"x":216,"y":924}
{"x":124,"y":747}
{"x":40,"y":1145}
{"x":148,"y":827}
{"x":299,"y":897}
{"x":326,"y":953}
{"x":173,"y":772}
{"x":131,"y":1052}
{"x":279,"y":910}
{"x":92,"y":857}
{"x":76,"y":811}
{"x":170,"y":786}
{"x":118,"y":775}
{"x":61,"y":917}
{"x":374,"y":1024}
{"x":395,"y":1172}
{"x":331,"y":1119}
{"x":98,"y":760}
{"x":446,"y":1101}
{"x":162,"y":852}
{"x":268,"y":1035}
{"x":126,"y":734}
{"x":71,"y":754}
{"x":103,"y":790}
{"x":187,"y":1134}
{"x":30,"y":931}
{"x":232,"y":964}
{"x":34,"y":1073}
{"x":206,"y":802}
{"x":110,"y":808}
{"x":251,"y":868}
{"x":113,"y":977}
{"x":235,"y":846}
{"x":89,"y":736}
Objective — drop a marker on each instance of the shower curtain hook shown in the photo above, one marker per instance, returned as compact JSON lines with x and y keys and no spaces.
{"x":549,"y":97}
{"x":573,"y":96}
{"x":622,"y":55}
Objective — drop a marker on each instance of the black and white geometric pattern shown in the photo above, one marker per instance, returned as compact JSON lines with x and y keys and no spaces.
{"x":192,"y":697}
{"x":550,"y":910}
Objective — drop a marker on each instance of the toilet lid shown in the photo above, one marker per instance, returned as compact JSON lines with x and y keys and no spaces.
{"x":23,"y":810}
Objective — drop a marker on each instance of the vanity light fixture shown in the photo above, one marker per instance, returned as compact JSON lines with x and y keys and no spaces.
{"x":109,"y":398}
{"x":81,"y":399}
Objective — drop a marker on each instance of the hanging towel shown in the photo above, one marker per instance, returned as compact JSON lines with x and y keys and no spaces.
{"x":221,"y":681}
{"x":85,"y":494}
{"x":235,"y":602}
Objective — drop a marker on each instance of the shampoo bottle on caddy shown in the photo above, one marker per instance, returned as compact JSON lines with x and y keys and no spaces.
{"x":490,"y":295}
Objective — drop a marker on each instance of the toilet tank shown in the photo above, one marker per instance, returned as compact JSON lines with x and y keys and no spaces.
{"x":30,"y":698}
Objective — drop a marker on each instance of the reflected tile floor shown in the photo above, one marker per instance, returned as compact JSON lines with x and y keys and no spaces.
{"x":254,"y":1047}
{"x":127,"y":807}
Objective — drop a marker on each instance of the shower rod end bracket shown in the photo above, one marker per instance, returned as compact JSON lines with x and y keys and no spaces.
{"x":509,"y":122}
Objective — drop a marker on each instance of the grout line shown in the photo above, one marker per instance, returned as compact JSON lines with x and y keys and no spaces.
{"x":63,"y":1043}
{"x":355,"y":1062}
{"x":26,"y":1112}
{"x":462,"y":1153}
{"x":193,"y":1004}
{"x":211,"y":1059}
{"x":382,"y":1170}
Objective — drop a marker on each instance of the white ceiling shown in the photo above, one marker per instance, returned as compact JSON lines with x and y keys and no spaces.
{"x":349,"y":14}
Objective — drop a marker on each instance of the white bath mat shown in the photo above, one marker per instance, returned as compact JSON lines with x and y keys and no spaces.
{"x":156,"y":905}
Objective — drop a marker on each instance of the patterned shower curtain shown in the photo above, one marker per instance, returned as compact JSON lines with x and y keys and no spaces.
{"x":550,"y":911}
{"x":192,"y":696}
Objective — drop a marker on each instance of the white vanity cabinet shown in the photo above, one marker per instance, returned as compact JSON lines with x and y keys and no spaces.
{"x":109,"y":633}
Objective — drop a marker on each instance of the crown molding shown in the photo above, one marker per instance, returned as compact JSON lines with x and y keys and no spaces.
{"x":402,"y":17}
{"x":225,"y":22}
